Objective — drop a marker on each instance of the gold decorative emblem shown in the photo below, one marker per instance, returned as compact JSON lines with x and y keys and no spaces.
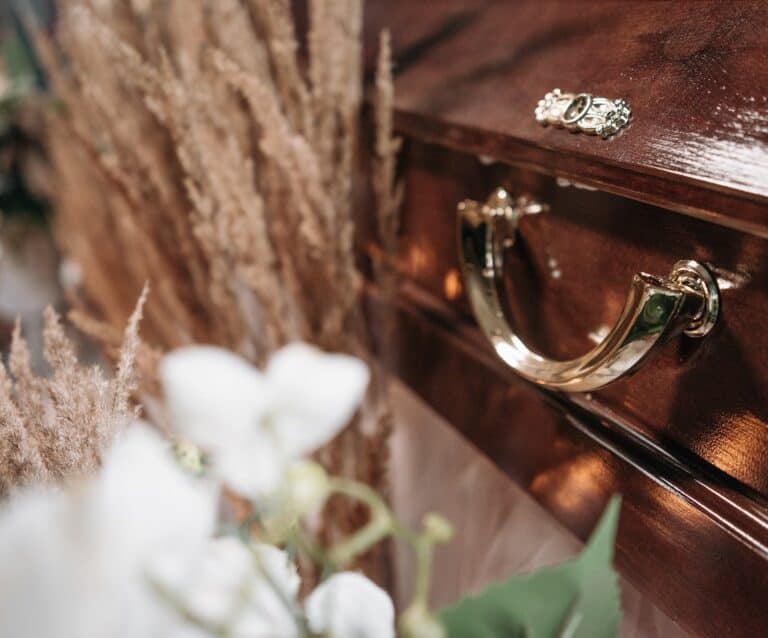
{"x":583,"y":112}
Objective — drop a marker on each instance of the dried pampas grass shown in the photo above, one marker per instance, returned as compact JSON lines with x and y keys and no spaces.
{"x":56,"y":426}
{"x":194,"y":153}
{"x":205,"y":149}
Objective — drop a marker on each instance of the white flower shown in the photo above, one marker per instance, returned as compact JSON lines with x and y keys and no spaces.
{"x":142,"y":499}
{"x":348,"y":605}
{"x":38,"y":559}
{"x":253,"y":467}
{"x":313,"y":395}
{"x":73,"y":561}
{"x":254,"y":424}
{"x":249,"y":590}
{"x":130,"y":554}
{"x":214,"y":397}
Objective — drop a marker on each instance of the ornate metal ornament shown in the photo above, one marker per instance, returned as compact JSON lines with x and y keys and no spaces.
{"x":583,"y":112}
{"x":657,"y":309}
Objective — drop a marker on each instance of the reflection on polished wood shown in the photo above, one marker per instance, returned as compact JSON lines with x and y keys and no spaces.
{"x":692,"y":541}
{"x":470,"y":73}
{"x":566,"y":282}
{"x":687,"y":447}
{"x":500,"y":529}
{"x":685,"y":438}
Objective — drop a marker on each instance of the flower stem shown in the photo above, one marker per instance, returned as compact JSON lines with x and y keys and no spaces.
{"x":424,"y":549}
{"x":380,"y":525}
{"x":417,"y":621}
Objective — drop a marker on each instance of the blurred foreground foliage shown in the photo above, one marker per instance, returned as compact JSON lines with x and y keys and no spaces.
{"x":578,"y":598}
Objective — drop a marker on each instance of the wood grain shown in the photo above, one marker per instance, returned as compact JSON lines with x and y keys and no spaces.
{"x":499,"y":528}
{"x":695,"y":74}
{"x":567,"y":281}
{"x":685,"y":439}
{"x":679,"y":539}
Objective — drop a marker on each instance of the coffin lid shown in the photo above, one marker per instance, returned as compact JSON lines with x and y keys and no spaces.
{"x":469,"y":74}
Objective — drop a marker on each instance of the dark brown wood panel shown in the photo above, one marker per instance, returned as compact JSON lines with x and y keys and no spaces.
{"x":685,"y":439}
{"x":469,"y":75}
{"x":695,"y":545}
{"x":568,"y":278}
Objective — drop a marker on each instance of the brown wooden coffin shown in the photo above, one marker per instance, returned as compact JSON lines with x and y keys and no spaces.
{"x":685,"y":438}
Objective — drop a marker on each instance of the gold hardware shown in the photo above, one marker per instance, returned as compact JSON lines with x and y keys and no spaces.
{"x":657,"y":308}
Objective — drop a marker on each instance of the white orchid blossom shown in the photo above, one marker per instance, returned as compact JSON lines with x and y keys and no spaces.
{"x":142,"y":499}
{"x":348,"y":605}
{"x":254,"y":424}
{"x":131,"y":554}
{"x":74,"y":560}
{"x":230,"y":587}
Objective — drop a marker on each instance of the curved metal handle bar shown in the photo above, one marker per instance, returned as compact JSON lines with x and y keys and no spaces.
{"x":657,"y":308}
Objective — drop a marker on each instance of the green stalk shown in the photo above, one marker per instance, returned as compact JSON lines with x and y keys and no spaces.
{"x":380,"y":525}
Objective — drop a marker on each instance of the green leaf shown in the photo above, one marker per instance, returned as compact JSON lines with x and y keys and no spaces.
{"x":576,"y":599}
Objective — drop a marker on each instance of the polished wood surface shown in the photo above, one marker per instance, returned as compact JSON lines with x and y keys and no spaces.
{"x":685,"y":439}
{"x":683,"y":540}
{"x":499,"y":528}
{"x":568,"y":278}
{"x":469,"y":74}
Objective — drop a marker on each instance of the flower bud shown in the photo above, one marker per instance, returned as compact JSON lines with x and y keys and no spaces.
{"x":189,"y":456}
{"x":418,"y":622}
{"x":437,"y":528}
{"x":306,"y":487}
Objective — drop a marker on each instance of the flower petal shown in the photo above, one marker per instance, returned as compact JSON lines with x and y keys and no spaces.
{"x":314,"y":395}
{"x":267,"y":615}
{"x":79,"y":553}
{"x":253,"y":467}
{"x":226,"y":585}
{"x":38,"y":566}
{"x":213,"y":396}
{"x":142,"y":499}
{"x":348,"y":604}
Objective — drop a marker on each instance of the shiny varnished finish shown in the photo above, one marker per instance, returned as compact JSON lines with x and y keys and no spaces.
{"x":707,"y":397}
{"x":685,"y":438}
{"x":499,"y":528}
{"x":692,"y":542}
{"x":695,"y":74}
